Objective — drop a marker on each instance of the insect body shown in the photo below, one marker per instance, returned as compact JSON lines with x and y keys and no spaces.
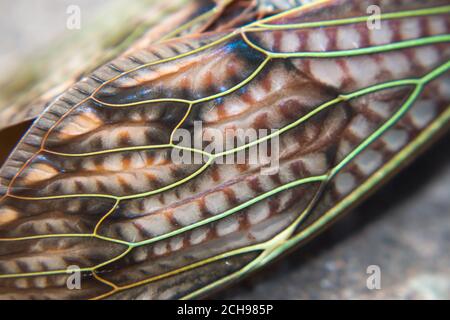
{"x":94,"y":182}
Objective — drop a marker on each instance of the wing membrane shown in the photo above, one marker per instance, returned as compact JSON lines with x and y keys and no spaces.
{"x":349,"y":105}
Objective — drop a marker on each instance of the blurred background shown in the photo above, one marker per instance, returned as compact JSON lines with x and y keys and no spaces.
{"x":404,"y":227}
{"x":27,"y":26}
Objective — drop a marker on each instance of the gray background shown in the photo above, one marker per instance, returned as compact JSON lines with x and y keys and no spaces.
{"x":404,"y":228}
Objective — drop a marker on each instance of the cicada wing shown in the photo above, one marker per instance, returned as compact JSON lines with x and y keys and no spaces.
{"x":120,"y":177}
